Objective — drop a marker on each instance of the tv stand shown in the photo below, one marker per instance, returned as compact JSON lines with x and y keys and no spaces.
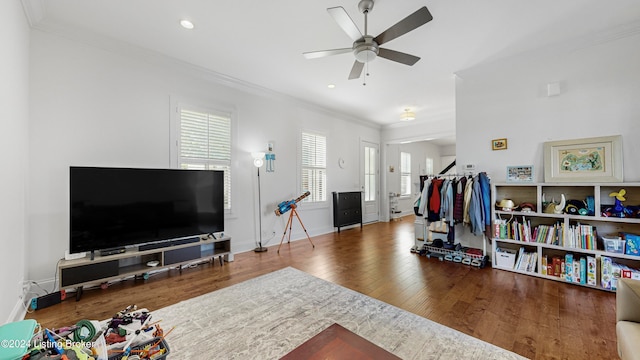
{"x":99,"y":269}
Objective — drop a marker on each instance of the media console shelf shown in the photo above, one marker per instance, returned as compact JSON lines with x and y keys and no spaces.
{"x":81,"y":272}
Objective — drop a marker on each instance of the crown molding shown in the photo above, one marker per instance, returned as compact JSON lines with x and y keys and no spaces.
{"x":105,"y":43}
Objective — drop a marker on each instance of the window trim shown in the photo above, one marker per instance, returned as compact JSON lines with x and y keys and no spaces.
{"x":315,"y":204}
{"x":176,"y":103}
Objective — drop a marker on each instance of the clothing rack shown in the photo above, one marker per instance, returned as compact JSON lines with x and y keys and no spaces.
{"x":425,"y":222}
{"x":468,"y":173}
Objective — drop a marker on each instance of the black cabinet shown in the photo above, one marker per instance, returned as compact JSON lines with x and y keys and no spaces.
{"x":89,"y":272}
{"x":347,"y":208}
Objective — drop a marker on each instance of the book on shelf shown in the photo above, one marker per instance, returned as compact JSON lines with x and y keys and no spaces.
{"x":514,"y":229}
{"x":548,"y":234}
{"x":568,"y":261}
{"x":527,"y":261}
{"x":581,"y":237}
{"x":591,"y":270}
{"x":551,"y":266}
{"x":606,"y":272}
{"x":576,"y":271}
{"x":556,"y":271}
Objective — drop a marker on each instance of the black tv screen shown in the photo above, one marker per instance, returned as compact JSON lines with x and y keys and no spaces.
{"x":116,"y":207}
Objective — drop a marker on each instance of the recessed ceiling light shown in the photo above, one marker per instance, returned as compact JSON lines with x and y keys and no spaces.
{"x":187,"y":24}
{"x":331,"y":86}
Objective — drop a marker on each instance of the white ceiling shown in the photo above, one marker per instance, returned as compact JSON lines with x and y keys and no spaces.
{"x":261,"y":42}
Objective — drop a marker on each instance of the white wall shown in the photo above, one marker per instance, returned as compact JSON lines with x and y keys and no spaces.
{"x":14,"y":115}
{"x":419,"y":152}
{"x":507,"y":99}
{"x":98,"y":107}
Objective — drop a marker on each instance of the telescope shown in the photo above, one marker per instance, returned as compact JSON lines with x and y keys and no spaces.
{"x":286,"y":205}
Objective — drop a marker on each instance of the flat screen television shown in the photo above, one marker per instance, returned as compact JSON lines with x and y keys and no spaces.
{"x":119,"y":207}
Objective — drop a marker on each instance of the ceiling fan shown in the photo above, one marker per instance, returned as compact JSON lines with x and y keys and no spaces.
{"x":366,"y":47}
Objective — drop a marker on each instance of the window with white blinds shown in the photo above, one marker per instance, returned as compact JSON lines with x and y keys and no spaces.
{"x":204,"y":143}
{"x":405,"y":173}
{"x":314,"y":166}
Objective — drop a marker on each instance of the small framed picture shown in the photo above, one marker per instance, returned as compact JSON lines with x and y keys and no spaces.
{"x":523,"y":173}
{"x":499,"y":144}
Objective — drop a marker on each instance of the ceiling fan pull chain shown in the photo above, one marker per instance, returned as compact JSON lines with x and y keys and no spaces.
{"x":365,"y":74}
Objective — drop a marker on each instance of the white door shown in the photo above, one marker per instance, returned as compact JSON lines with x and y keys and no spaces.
{"x":369,"y":178}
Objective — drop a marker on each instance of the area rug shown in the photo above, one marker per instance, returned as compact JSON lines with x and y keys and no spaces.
{"x":269,"y":316}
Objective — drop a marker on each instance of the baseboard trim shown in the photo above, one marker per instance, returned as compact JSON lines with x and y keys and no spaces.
{"x":18,"y":313}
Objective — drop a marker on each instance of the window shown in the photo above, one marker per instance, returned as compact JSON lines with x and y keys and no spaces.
{"x":369,"y":173}
{"x":314,"y":167}
{"x":405,"y":173}
{"x":204,"y":143}
{"x":429,"y":166}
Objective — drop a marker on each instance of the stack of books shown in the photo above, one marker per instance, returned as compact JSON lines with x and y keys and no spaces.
{"x":527,"y":261}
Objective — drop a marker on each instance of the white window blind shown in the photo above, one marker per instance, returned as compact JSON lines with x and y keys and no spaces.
{"x":314,"y":166}
{"x":405,"y":173}
{"x":205,"y":144}
{"x":429,"y":166}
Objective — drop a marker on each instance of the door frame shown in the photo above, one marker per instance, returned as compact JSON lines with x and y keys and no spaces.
{"x":368,"y":217}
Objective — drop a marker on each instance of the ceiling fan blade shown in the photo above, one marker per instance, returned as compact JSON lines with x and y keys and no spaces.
{"x":324,"y":53}
{"x":345,"y":22}
{"x":356,"y":70}
{"x":398,"y":56}
{"x":411,"y":22}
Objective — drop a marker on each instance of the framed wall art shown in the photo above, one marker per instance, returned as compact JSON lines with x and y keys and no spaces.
{"x":522,"y":173}
{"x":597,"y":159}
{"x":499,"y":144}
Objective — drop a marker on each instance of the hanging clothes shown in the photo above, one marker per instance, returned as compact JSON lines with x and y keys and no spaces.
{"x":458,"y":200}
{"x":434,"y":199}
{"x":467,"y":201}
{"x":475,"y":209}
{"x":446,"y":206}
{"x":424,"y":197}
{"x":485,"y":190}
{"x":480,"y":206}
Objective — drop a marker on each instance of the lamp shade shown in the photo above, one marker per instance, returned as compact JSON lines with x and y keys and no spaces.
{"x":258,"y":158}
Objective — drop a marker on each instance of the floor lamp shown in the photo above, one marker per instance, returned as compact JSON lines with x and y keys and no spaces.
{"x":258,"y":161}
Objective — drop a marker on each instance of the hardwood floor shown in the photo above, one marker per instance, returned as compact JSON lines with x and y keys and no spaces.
{"x":536,"y":318}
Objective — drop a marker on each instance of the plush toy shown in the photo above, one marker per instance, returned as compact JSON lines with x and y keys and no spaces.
{"x":618,"y":210}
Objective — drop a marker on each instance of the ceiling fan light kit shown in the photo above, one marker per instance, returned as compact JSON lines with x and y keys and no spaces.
{"x":365,"y":51}
{"x":367,"y":48}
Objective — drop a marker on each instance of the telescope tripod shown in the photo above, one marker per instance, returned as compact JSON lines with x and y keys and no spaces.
{"x":290,"y":225}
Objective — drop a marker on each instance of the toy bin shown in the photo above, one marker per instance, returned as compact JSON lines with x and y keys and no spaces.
{"x":505,"y":258}
{"x":613,"y":245}
{"x":153,"y":346}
